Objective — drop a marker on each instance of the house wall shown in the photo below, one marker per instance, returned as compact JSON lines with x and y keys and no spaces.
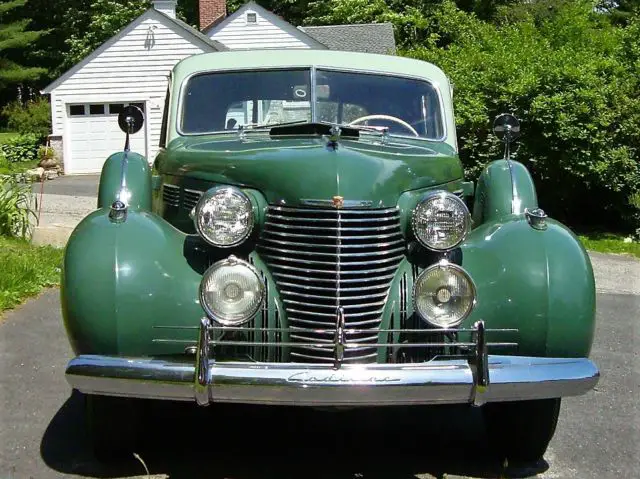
{"x":265,"y":33}
{"x":133,"y":69}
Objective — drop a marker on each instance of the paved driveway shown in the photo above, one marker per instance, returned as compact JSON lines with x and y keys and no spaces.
{"x":74,"y":185}
{"x":41,"y":423}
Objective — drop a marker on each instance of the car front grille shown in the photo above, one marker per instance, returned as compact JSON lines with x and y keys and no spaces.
{"x":326,"y":259}
{"x":171,"y":195}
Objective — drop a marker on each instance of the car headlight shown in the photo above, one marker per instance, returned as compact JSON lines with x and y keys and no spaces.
{"x":441,"y":221}
{"x":231,"y":291}
{"x":224,"y":217}
{"x":444,"y":295}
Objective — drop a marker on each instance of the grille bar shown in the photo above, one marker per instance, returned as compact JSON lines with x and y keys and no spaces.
{"x":329,"y":260}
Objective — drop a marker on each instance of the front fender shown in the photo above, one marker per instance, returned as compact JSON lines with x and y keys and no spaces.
{"x":122,"y":282}
{"x":538,"y":281}
{"x":130,"y":170}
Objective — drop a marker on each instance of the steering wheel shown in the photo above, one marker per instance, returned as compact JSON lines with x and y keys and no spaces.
{"x":386,"y":117}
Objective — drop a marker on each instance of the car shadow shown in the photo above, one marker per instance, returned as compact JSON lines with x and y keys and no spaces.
{"x":253,"y":442}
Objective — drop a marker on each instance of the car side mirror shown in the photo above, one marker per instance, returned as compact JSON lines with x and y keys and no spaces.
{"x":506,"y":127}
{"x":130,"y":121}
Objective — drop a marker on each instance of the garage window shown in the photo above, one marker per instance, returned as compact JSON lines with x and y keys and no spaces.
{"x":115,"y":108}
{"x":76,"y":110}
{"x":96,"y":109}
{"x":139,"y":105}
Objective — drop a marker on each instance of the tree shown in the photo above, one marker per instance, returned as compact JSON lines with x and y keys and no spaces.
{"x":15,"y":40}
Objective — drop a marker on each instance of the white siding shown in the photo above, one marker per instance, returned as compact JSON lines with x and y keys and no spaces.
{"x":133,"y":69}
{"x":265,"y":33}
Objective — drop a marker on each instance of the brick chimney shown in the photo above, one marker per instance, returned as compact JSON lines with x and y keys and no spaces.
{"x":211,"y":11}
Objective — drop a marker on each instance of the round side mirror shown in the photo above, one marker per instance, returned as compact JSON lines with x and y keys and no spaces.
{"x":506,"y":127}
{"x":131,"y":119}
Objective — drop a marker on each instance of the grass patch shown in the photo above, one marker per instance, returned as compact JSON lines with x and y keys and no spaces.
{"x":4,"y":136}
{"x":18,"y":167}
{"x":609,"y":243}
{"x":25,"y":270}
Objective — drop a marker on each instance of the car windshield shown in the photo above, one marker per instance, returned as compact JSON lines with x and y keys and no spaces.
{"x":218,"y":102}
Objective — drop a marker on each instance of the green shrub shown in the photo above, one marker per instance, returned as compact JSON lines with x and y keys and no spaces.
{"x":20,"y":148}
{"x":34,"y":118}
{"x":16,"y":209}
{"x":573,"y":79}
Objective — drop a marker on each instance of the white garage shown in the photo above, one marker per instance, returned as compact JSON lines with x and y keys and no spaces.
{"x":130,"y":68}
{"x":96,"y":135}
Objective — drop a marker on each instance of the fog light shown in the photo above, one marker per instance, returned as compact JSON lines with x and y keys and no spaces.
{"x":231,"y":292}
{"x":444,"y":295}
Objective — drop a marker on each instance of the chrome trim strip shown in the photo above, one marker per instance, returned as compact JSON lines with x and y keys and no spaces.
{"x":434,"y":382}
{"x":344,"y":255}
{"x":293,"y":319}
{"x":316,"y":237}
{"x":286,"y":285}
{"x":378,"y":211}
{"x":293,"y":219}
{"x":346,"y":298}
{"x":349,"y":246}
{"x":315,"y":305}
{"x":329,"y":228}
{"x":331,"y":315}
{"x":333,"y":280}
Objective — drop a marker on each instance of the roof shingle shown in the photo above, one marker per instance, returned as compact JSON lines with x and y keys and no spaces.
{"x":363,"y":37}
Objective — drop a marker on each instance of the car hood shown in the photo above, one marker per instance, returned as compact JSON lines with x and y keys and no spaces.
{"x":294,"y":170}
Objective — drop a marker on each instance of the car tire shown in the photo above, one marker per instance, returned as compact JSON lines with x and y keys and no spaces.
{"x":521,"y":431}
{"x":114,"y":425}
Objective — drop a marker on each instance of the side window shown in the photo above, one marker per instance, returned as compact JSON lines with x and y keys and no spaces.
{"x":165,"y":119}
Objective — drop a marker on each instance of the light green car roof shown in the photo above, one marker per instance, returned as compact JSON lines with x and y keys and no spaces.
{"x":352,"y":61}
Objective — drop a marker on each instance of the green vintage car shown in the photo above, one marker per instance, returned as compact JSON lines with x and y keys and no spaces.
{"x":305,"y":236}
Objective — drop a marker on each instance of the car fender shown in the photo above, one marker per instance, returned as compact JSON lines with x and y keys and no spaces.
{"x":129,"y":171}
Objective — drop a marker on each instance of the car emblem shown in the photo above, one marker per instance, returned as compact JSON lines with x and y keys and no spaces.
{"x":338,"y":201}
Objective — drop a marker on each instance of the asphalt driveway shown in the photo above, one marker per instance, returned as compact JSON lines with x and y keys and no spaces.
{"x":41,"y":423}
{"x":74,"y":185}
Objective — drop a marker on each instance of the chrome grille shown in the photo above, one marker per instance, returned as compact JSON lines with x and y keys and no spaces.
{"x":326,"y":259}
{"x":171,"y":195}
{"x":191,"y":197}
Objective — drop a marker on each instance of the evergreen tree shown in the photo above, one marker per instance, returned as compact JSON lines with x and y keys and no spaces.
{"x":15,"y":41}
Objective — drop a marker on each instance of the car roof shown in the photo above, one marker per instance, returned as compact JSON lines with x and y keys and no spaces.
{"x":280,"y":58}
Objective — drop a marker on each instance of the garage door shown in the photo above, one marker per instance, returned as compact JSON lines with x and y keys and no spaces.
{"x":95,"y":135}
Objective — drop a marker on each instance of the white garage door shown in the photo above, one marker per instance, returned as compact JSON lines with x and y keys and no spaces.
{"x":95,"y":135}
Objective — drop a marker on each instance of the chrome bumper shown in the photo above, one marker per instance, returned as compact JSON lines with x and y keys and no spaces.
{"x":483,"y":378}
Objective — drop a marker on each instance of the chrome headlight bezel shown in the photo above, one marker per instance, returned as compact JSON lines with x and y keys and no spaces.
{"x":197,"y":215}
{"x":231,"y":261}
{"x":440,"y":196}
{"x":444,"y":264}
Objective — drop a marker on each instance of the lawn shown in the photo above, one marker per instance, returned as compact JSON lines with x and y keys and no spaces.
{"x":19,"y":167}
{"x":610,"y":243}
{"x":6,"y":135}
{"x":25,"y":270}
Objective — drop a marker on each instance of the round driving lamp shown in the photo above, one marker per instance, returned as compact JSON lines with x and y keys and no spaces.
{"x":231,"y":292}
{"x":444,"y":295}
{"x":224,"y":217}
{"x":441,"y":221}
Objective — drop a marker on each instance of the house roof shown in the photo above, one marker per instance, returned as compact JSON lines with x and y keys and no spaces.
{"x":270,"y":16}
{"x":198,"y":38}
{"x":364,"y":37}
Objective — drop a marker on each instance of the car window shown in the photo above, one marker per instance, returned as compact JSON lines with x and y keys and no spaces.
{"x":225,"y":101}
{"x":404,"y":106}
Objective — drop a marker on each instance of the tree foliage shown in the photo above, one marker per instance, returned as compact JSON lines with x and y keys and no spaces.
{"x":15,"y":41}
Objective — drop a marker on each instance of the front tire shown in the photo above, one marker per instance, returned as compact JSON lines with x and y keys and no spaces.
{"x":114,"y":425}
{"x":521,"y":431}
